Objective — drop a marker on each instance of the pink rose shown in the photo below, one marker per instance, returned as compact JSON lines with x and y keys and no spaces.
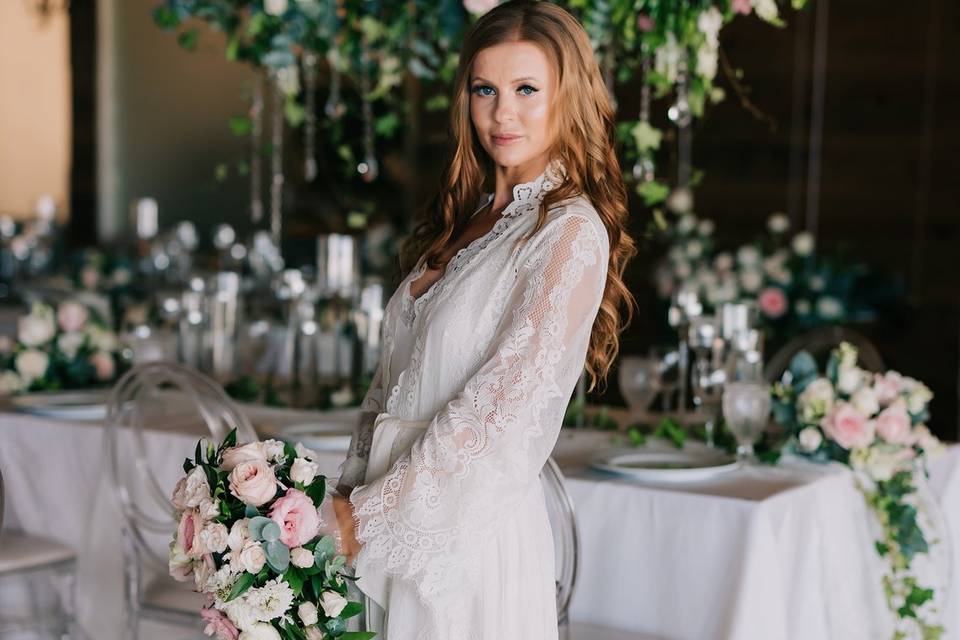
{"x":244,"y":453}
{"x":741,"y":6}
{"x":188,"y":534}
{"x":887,"y":387}
{"x":893,"y":424}
{"x":72,"y":316}
{"x":297,"y":517}
{"x":253,"y":482}
{"x":773,"y":302}
{"x":848,"y":427}
{"x":645,"y":23}
{"x":219,"y":624}
{"x":104,"y":365}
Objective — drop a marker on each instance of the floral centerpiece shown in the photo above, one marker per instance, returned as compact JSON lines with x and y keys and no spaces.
{"x":795,"y":288}
{"x":249,"y":536}
{"x":68,"y":347}
{"x":875,"y":424}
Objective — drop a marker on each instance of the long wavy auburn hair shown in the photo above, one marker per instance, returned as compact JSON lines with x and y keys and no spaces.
{"x":583,"y":122}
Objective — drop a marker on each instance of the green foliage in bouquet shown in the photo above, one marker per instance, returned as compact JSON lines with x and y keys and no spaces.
{"x":874,"y":424}
{"x":250,"y":536}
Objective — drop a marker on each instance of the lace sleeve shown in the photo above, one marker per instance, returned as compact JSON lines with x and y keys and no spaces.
{"x":354,"y":468}
{"x":424,"y":518}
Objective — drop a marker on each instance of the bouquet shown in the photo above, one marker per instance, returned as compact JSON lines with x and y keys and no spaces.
{"x":875,"y":424}
{"x":69,"y":347}
{"x":249,"y":536}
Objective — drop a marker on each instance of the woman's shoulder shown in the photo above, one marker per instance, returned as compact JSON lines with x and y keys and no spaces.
{"x":575,"y":212}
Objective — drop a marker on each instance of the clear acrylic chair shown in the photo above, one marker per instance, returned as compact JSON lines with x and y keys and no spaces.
{"x":154,"y":396}
{"x":37,"y":578}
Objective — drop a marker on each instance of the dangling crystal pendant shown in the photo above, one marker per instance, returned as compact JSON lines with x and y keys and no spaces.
{"x":643,"y":169}
{"x":334,"y":108}
{"x":256,"y":144}
{"x":310,"y":122}
{"x":276,"y":164}
{"x":369,"y":168}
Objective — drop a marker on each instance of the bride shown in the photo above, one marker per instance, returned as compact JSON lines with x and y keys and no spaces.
{"x":514,"y":292}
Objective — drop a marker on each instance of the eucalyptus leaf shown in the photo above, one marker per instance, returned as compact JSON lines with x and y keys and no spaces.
{"x":256,"y":526}
{"x":336,"y":627}
{"x":250,"y":512}
{"x":270,"y":531}
{"x":334,"y":565}
{"x":324,"y":550}
{"x":278,"y":555}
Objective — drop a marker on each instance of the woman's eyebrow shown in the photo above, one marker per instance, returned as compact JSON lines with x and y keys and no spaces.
{"x":514,"y":81}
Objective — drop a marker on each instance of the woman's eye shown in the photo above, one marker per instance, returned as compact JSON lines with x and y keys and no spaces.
{"x":527,"y":90}
{"x":483,"y":90}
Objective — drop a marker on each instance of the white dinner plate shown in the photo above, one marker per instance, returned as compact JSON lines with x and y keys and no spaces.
{"x":85,"y":406}
{"x":666,"y":466}
{"x":326,"y":435}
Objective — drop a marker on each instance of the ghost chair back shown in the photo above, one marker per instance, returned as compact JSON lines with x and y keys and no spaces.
{"x":149,"y":399}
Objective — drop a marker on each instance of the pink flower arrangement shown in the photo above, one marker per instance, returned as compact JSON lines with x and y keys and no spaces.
{"x":893,"y":424}
{"x":219,"y":625}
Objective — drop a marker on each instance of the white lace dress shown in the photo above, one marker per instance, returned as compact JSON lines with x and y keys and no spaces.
{"x":477,"y":372}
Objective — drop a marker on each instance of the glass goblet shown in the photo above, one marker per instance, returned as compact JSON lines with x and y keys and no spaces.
{"x":746,"y":409}
{"x":639,"y":380}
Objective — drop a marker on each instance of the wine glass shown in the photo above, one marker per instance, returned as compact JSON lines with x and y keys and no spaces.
{"x":746,"y":409}
{"x":668,"y":359}
{"x":639,"y":380}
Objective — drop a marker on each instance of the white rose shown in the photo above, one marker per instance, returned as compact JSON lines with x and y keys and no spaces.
{"x":303,"y":558}
{"x":931,"y":445}
{"x":252,"y":557}
{"x":32,"y":364}
{"x":816,"y":400}
{"x":810,"y":439}
{"x":778,"y":223}
{"x":10,"y":382}
{"x":920,"y":395}
{"x":72,"y":316}
{"x":308,"y":613}
{"x":101,"y":339}
{"x":273,"y":450}
{"x":706,"y":227}
{"x":36,"y":328}
{"x":241,"y":614}
{"x":202,"y":571}
{"x":275,"y":7}
{"x":850,"y":380}
{"x":314,"y":633}
{"x":70,"y":343}
{"x":865,"y":401}
{"x":304,"y":471}
{"x":180,"y":564}
{"x":260,"y":630}
{"x":709,"y":23}
{"x":694,"y":249}
{"x":803,"y":243}
{"x":751,"y":280}
{"x":332,"y":603}
{"x":239,"y":534}
{"x":208,"y":509}
{"x":748,"y":255}
{"x":214,"y":537}
{"x":196,"y":490}
{"x":681,"y":201}
{"x":303,"y":452}
{"x":723,"y":262}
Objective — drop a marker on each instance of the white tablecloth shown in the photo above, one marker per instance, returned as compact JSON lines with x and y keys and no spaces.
{"x":759,"y":554}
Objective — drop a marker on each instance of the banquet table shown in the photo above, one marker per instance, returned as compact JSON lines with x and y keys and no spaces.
{"x":766,"y":553}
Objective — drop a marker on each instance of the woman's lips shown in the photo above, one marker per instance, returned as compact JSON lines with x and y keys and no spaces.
{"x":506,"y":140}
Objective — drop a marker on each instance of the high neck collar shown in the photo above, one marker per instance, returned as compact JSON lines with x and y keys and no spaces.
{"x":527,"y":196}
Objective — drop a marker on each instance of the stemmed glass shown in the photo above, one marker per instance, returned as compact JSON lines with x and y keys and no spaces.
{"x":639,"y":380}
{"x":668,"y":367}
{"x":708,"y":374}
{"x":746,"y":409}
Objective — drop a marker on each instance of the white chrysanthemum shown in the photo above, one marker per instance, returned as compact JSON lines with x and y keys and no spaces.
{"x":220,"y":583}
{"x":241,"y":614}
{"x":271,"y":600}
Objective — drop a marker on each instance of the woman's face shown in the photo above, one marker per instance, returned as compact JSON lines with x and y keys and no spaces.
{"x":511,"y":93}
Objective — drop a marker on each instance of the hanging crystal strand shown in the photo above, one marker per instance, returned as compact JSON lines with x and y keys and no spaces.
{"x":644,"y":169}
{"x":368,"y":169}
{"x":256,"y":144}
{"x":310,"y":123}
{"x":276,"y":164}
{"x":334,"y":107}
{"x":679,"y":113}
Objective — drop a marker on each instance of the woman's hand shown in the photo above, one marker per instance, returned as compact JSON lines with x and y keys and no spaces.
{"x":348,"y":538}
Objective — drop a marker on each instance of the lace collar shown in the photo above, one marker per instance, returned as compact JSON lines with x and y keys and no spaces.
{"x":527,"y":196}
